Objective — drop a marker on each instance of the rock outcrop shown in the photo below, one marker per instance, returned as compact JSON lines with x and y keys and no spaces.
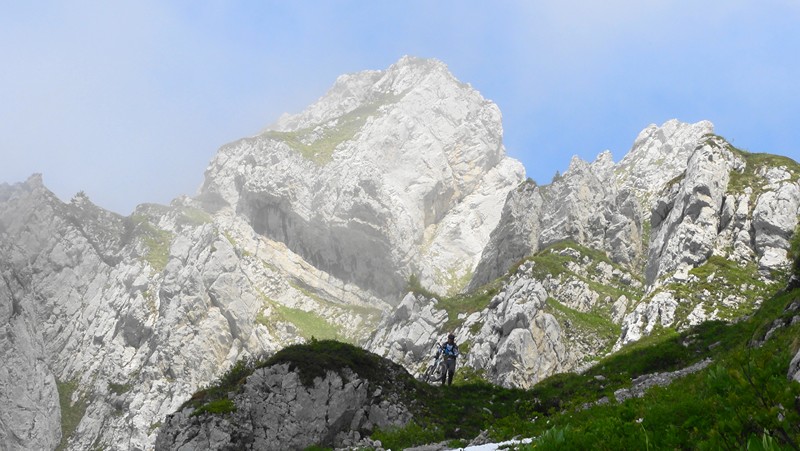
{"x":531,"y":324}
{"x":275,"y":411}
{"x":31,"y":417}
{"x":601,"y":205}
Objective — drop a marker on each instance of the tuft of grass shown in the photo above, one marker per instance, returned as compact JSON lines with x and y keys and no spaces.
{"x":71,"y":413}
{"x":119,"y":388}
{"x":229,"y":382}
{"x":216,"y":407}
{"x":315,"y":358}
{"x":593,"y":323}
{"x":405,"y":437}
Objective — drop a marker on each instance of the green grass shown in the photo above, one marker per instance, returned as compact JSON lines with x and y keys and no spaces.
{"x":552,"y":409}
{"x":119,"y":388}
{"x":593,"y":323}
{"x":216,"y":407}
{"x":194,"y":216}
{"x":71,"y":413}
{"x":743,"y":398}
{"x":754,"y":162}
{"x":335,"y":132}
{"x":219,"y":391}
{"x":157,"y":242}
{"x":408,"y":436}
{"x":309,"y":324}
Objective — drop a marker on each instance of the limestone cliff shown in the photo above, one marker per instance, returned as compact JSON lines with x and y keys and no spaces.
{"x":685,"y":228}
{"x":391,"y":174}
{"x":125,"y":317}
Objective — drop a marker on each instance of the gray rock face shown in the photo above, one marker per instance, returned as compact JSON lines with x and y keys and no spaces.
{"x":127,"y":317}
{"x":516,"y":236}
{"x":680,"y":196}
{"x":31,"y":416}
{"x":391,"y":173}
{"x":685,"y":222}
{"x":601,"y":205}
{"x":794,"y":368}
{"x":275,"y":411}
{"x":409,"y":334}
{"x":530,"y":329}
{"x":713,"y":210}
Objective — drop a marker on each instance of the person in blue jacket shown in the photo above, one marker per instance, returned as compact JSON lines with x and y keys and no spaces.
{"x":449,"y":351}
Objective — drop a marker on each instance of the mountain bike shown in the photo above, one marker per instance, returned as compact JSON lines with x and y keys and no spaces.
{"x":434,"y":371}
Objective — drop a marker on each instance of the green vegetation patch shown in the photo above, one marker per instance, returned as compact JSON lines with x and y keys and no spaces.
{"x":594,"y":323}
{"x":717,"y":279}
{"x":406,"y":437}
{"x":216,"y":407}
{"x":560,"y":411}
{"x":218,"y":392}
{"x":315,"y":358}
{"x":194,"y":216}
{"x":794,"y":251}
{"x":71,"y":413}
{"x":156,"y":240}
{"x":335,"y":132}
{"x":754,"y":163}
{"x":309,"y":324}
{"x":119,"y":389}
{"x":742,"y":401}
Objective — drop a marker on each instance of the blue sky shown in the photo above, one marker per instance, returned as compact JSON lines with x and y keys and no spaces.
{"x":129,"y":100}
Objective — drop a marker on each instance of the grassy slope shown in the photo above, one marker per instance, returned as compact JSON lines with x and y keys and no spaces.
{"x":743,"y":396}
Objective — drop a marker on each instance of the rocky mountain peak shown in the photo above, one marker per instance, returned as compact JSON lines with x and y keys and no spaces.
{"x":371,"y":88}
{"x":392,"y":173}
{"x":659,"y":154}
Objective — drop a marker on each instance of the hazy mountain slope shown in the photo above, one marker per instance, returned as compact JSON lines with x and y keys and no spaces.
{"x":390,"y":174}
